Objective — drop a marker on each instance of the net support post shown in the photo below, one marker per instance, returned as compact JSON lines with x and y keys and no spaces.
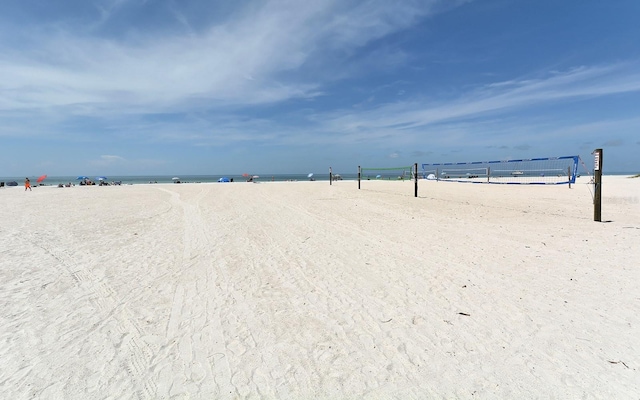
{"x":415,"y":177}
{"x":569,"y":176}
{"x":597,"y":181}
{"x":330,"y":176}
{"x":359,"y":170}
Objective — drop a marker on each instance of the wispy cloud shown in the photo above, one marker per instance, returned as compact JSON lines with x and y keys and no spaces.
{"x":108,"y":161}
{"x":494,"y":98}
{"x":614,"y":143}
{"x":109,"y":158}
{"x":92,"y":76}
{"x":269,"y":43}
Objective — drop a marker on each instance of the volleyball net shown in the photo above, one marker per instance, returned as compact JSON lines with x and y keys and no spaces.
{"x":404,"y":173}
{"x":534,"y":171}
{"x":395,"y":173}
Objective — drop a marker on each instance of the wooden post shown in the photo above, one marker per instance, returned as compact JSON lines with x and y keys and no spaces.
{"x":330,"y":176}
{"x":359,"y":170}
{"x":597,"y":181}
{"x":415,"y":168}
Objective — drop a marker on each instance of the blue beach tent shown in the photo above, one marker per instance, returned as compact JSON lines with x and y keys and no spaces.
{"x":224,"y":179}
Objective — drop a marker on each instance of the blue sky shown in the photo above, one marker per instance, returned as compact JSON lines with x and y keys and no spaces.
{"x":139,"y":87}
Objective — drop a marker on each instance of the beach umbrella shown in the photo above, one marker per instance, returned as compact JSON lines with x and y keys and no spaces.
{"x":101,"y":178}
{"x":41,"y":178}
{"x":378,"y":176}
{"x":175,"y":178}
{"x":81,"y":178}
{"x":255,"y":177}
{"x":310,"y":175}
{"x":245,"y":175}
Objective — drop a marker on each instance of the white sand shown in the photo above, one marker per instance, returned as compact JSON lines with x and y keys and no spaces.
{"x":304,"y":290}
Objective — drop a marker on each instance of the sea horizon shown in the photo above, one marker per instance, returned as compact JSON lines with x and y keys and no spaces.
{"x":192,"y":178}
{"x":206,"y":178}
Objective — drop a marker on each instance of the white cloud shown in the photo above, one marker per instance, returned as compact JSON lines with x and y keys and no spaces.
{"x":491,"y":99}
{"x":269,"y":43}
{"x":111,"y":159}
{"x":107,"y":161}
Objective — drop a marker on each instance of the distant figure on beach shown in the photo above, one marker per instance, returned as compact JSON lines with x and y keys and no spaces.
{"x":27,"y":184}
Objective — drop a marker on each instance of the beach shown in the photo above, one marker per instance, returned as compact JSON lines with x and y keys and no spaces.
{"x":299,"y":290}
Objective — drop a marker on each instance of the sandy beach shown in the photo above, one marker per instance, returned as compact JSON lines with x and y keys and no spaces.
{"x":300,"y":290}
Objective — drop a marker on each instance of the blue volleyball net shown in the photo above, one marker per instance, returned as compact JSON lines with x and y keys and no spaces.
{"x":533,"y":171}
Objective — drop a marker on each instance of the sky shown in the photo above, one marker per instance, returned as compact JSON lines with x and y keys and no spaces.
{"x":164,"y":87}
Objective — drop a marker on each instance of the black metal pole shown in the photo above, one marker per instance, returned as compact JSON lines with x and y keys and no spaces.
{"x":415,"y":169}
{"x":359,"y":177}
{"x":330,"y":176}
{"x":597,"y":181}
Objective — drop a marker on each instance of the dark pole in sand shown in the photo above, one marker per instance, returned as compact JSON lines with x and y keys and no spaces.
{"x":330,"y":176}
{"x":569,"y":175}
{"x":359,"y":170}
{"x":597,"y":176}
{"x":415,"y":169}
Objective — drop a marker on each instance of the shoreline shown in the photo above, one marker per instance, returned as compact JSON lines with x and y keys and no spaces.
{"x":137,"y":180}
{"x":157,"y":179}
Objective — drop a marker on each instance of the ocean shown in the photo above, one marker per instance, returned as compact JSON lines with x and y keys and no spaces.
{"x":146,"y":179}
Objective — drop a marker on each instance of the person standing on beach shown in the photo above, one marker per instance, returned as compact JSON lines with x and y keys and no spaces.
{"x":27,"y":184}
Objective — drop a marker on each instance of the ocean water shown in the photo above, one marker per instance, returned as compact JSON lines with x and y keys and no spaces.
{"x":146,"y":179}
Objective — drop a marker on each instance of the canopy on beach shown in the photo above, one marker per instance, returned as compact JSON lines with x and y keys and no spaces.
{"x":224,"y":179}
{"x":175,"y":178}
{"x":41,"y":178}
{"x":101,"y":178}
{"x":81,"y":178}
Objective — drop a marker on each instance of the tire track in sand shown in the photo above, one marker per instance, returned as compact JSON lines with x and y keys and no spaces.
{"x":198,"y":362}
{"x":132,"y":349}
